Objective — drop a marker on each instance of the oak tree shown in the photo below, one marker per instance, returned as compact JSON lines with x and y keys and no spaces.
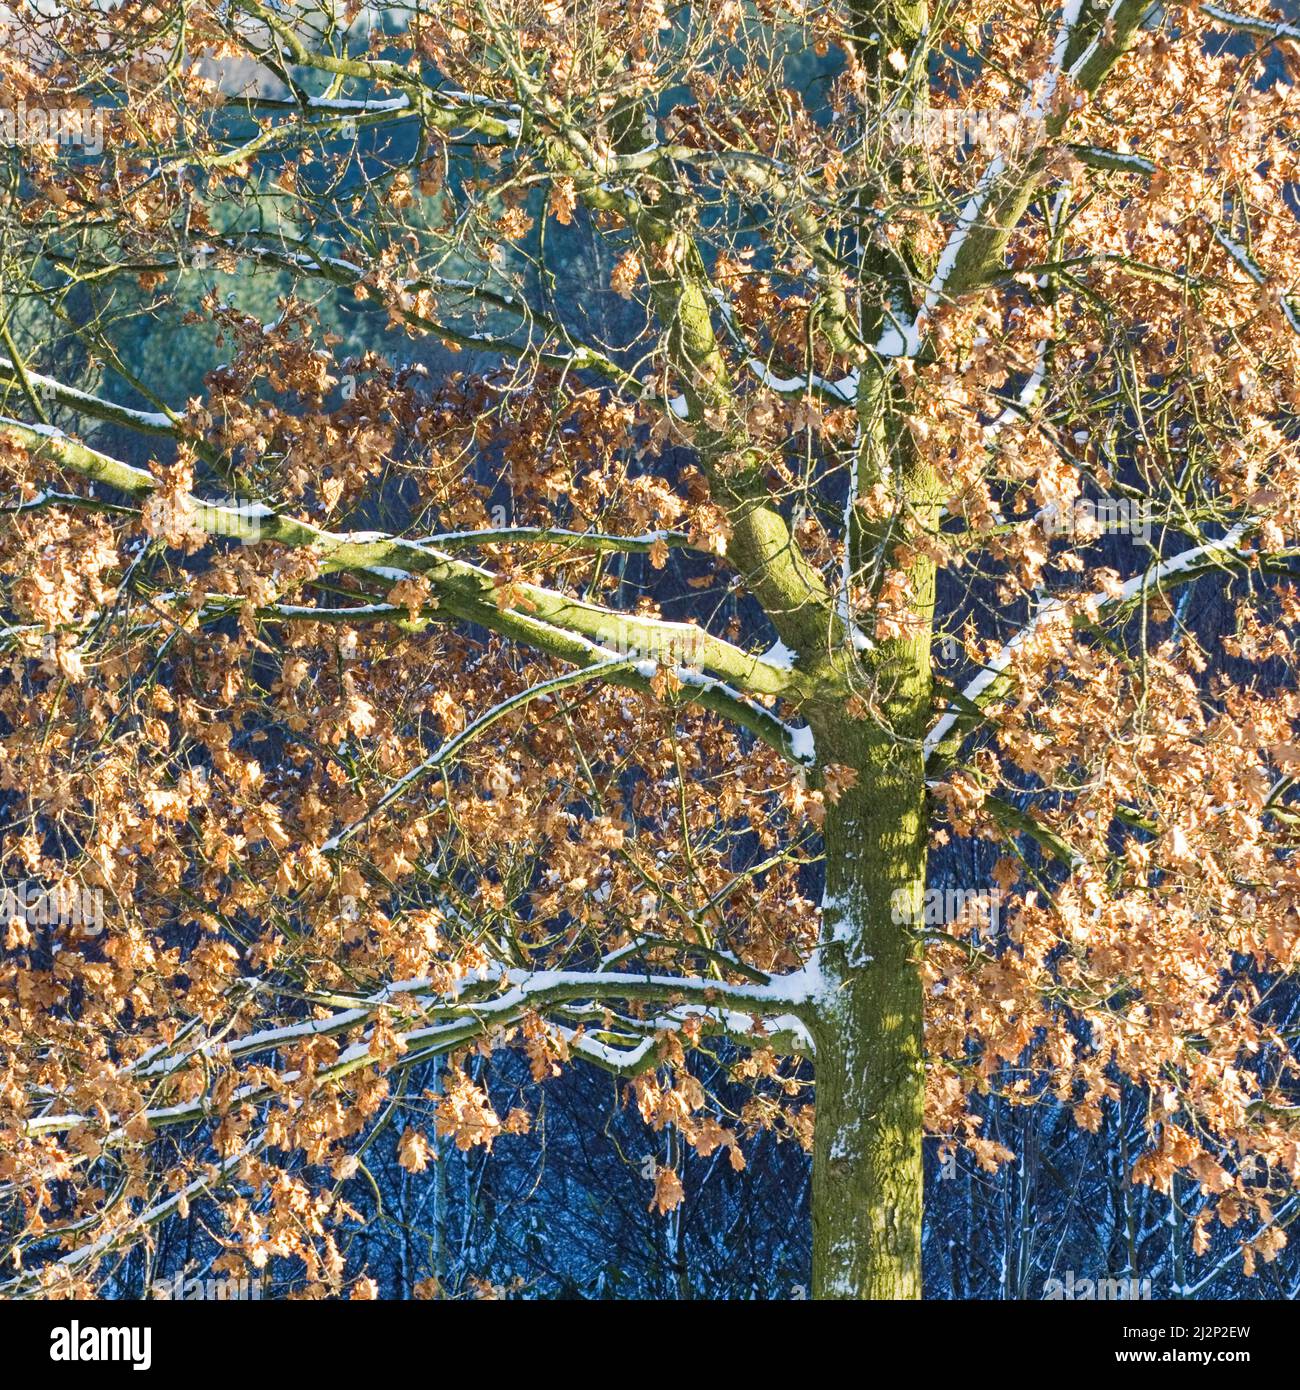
{"x":703,"y":459}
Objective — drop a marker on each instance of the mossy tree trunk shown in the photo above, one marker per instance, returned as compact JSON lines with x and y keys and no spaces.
{"x":867,"y":1169}
{"x":867,"y":1190}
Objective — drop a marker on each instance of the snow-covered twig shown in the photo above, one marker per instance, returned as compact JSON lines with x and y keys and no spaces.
{"x":1153,"y":578}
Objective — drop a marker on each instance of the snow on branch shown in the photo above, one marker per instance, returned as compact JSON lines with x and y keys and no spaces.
{"x":461,"y":1021}
{"x":82,"y":1255}
{"x":952,"y":270}
{"x":1249,"y":266}
{"x":561,"y":625}
{"x":1186,"y":565}
{"x":1261,"y":28}
{"x":146,"y":421}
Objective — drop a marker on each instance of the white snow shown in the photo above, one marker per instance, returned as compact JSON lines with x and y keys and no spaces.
{"x":780,"y":656}
{"x":1048,"y":607}
{"x":803,"y":745}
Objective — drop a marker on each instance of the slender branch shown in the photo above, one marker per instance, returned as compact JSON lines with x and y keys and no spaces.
{"x":440,"y":760}
{"x":992,"y":682}
{"x":525,"y":992}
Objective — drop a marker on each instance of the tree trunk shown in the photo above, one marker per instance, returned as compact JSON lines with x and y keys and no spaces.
{"x":867,"y":1171}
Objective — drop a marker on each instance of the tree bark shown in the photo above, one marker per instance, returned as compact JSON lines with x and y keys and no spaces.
{"x":867,"y":1170}
{"x":867,"y":1167}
